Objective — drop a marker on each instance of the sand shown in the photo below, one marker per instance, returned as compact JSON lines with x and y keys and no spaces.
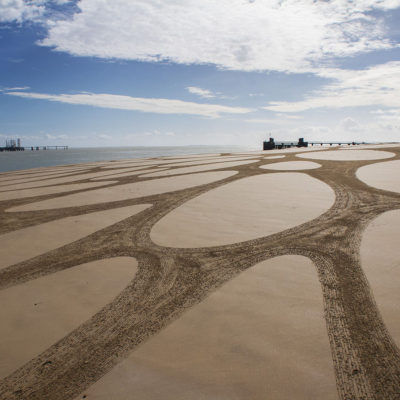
{"x":246,"y":209}
{"x":20,"y":194}
{"x":261,"y":336}
{"x":371,"y":146}
{"x":35,"y":177}
{"x":273,"y":157}
{"x":142,"y":170}
{"x":350,"y":155}
{"x":30,"y":242}
{"x":385,"y":175}
{"x":127,"y":191}
{"x":198,"y":168}
{"x":67,"y":179}
{"x":7,"y":176}
{"x":262,"y":291}
{"x":291,"y":165}
{"x":38,"y":313}
{"x":380,"y":259}
{"x":209,"y":160}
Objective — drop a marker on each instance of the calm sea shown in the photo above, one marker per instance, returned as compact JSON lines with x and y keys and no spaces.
{"x":11,"y":161}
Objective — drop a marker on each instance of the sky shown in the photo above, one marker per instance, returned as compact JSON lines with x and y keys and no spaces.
{"x":189,"y":72}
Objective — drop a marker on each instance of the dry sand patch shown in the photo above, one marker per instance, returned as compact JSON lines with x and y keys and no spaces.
{"x":291,"y":165}
{"x":384,"y":175}
{"x":127,"y":191}
{"x":41,"y":191}
{"x":262,"y":335}
{"x":245,"y":209}
{"x":380,"y":260}
{"x":349,"y":155}
{"x":273,"y":157}
{"x":30,"y":242}
{"x":38,"y":313}
{"x":198,"y":168}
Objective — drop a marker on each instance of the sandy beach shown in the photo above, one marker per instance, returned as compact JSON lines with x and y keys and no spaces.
{"x":257,"y":275}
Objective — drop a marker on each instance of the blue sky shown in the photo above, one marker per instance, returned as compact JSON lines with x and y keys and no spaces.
{"x":181,"y":72}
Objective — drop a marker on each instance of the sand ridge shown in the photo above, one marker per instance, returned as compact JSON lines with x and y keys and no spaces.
{"x":171,"y":281}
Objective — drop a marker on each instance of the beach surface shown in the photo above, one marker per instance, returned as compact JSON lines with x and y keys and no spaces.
{"x":256,"y":275}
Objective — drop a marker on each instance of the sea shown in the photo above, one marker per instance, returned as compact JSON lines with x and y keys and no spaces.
{"x":19,"y":160}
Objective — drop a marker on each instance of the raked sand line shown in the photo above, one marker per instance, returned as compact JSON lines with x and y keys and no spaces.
{"x":210,"y":160}
{"x":350,"y":155}
{"x":43,"y":172}
{"x":41,"y":191}
{"x":380,"y":260}
{"x":291,"y":165}
{"x":67,"y":179}
{"x":38,"y":177}
{"x":191,"y":156}
{"x":179,"y":162}
{"x":260,"y":336}
{"x":384,"y":175}
{"x":36,"y":314}
{"x":127,"y":191}
{"x":198,"y":168}
{"x":245,"y":209}
{"x":123,"y":174}
{"x":26,"y":243}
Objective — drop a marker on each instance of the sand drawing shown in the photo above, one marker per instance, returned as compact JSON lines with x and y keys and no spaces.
{"x":174,"y":292}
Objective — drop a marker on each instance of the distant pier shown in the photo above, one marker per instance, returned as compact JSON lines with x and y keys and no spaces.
{"x":32,"y":148}
{"x":271,"y":144}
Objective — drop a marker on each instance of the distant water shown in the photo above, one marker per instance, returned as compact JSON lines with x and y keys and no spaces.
{"x":11,"y":161}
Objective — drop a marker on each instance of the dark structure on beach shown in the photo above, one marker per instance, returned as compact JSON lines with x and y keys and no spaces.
{"x":15,"y":145}
{"x":271,"y":144}
{"x":12,"y":145}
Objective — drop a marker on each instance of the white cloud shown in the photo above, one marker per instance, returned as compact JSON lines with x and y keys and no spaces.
{"x":21,"y":10}
{"x":204,"y":93}
{"x":349,"y":124}
{"x":160,"y":106}
{"x":376,"y":86}
{"x":292,"y":36}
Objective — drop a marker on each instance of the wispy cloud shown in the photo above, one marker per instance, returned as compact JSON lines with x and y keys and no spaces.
{"x":376,"y":86}
{"x":292,"y":36}
{"x":204,"y":93}
{"x":150,"y":105}
{"x":14,"y":88}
